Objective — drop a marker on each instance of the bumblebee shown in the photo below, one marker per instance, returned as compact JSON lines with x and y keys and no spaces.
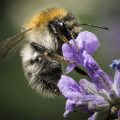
{"x":40,"y":43}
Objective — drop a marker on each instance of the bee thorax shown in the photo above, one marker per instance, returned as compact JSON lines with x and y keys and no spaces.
{"x":43,"y":37}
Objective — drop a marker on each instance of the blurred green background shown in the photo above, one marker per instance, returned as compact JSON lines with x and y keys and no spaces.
{"x":17,"y":100}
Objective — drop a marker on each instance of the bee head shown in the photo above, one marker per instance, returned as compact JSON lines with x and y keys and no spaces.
{"x":58,"y":20}
{"x":51,"y":27}
{"x":59,"y":27}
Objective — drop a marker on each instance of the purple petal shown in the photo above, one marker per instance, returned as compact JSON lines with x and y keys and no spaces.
{"x":105,"y":95}
{"x":98,"y":104}
{"x":68,"y":52}
{"x":99,"y":116}
{"x":88,"y":87}
{"x":70,"y":106}
{"x":117,"y":83}
{"x":89,"y":62}
{"x":113,"y":96}
{"x":71,"y":54}
{"x":68,"y":87}
{"x":110,"y":96}
{"x":70,"y":67}
{"x":88,"y":41}
{"x":84,"y":100}
{"x":99,"y":77}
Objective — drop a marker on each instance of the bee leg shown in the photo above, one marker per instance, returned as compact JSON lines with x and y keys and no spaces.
{"x":55,"y":56}
{"x":63,"y":39}
{"x":61,"y":58}
{"x":77,"y":69}
{"x":47,"y":52}
{"x":38,"y":48}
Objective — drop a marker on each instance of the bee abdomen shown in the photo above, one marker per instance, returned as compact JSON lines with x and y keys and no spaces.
{"x":43,"y":76}
{"x":45,"y":84}
{"x":47,"y":88}
{"x":42,"y":71}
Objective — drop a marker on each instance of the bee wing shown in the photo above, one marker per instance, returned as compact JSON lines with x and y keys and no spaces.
{"x":9,"y":46}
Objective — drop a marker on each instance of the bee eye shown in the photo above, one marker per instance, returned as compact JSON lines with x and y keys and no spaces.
{"x":62,"y":28}
{"x":60,"y":25}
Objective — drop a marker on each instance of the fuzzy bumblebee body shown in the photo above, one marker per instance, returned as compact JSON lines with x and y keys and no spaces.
{"x":43,"y":74}
{"x":44,"y":35}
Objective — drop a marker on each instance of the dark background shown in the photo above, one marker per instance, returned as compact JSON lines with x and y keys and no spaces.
{"x":17,"y":100}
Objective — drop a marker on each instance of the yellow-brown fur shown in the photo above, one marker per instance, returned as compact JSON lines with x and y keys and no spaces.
{"x":45,"y":16}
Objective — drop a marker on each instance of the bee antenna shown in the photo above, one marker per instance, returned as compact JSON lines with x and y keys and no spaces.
{"x":95,"y":26}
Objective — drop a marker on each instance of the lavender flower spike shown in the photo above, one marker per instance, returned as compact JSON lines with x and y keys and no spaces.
{"x":86,"y":96}
{"x":101,"y":96}
{"x":83,"y":95}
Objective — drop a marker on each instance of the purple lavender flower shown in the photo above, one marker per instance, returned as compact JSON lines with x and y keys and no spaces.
{"x":116,"y":64}
{"x":85,"y":41}
{"x":101,"y":96}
